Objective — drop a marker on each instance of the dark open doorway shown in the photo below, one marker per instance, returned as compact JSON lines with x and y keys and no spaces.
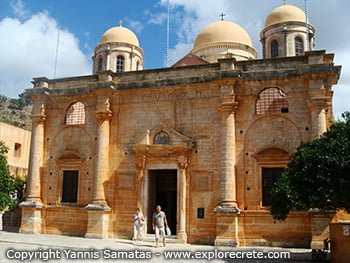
{"x":163,"y":192}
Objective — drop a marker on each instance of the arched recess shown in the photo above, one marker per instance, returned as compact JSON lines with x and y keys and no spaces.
{"x":268,"y":145}
{"x":71,"y":149}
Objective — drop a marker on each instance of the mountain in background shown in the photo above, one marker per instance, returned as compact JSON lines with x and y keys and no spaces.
{"x":16,"y":112}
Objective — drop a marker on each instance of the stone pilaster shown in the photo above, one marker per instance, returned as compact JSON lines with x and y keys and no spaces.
{"x":31,"y":207}
{"x":182,"y":162}
{"x":98,"y":211}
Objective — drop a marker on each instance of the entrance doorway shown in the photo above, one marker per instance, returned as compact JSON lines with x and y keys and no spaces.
{"x":162,"y":189}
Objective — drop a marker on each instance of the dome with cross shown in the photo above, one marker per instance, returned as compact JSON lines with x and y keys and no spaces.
{"x":226,"y":39}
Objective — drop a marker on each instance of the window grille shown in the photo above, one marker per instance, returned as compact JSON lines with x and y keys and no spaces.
{"x":272,"y":100}
{"x":75,"y":114}
{"x":120,"y":64}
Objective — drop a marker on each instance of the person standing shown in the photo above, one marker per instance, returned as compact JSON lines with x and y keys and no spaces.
{"x":159,"y":224}
{"x":139,"y":222}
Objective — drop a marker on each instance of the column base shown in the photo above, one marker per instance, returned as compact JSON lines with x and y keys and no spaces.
{"x":181,"y":237}
{"x":31,"y":217}
{"x":227,"y":226}
{"x":98,"y":220}
{"x":320,"y":228}
{"x":225,"y":242}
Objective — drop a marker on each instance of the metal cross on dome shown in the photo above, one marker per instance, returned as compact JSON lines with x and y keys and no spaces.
{"x":222,"y":16}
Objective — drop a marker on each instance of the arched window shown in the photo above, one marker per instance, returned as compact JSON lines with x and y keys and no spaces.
{"x":272,"y":100}
{"x":162,"y":138}
{"x":120,"y":64}
{"x":100,"y":64}
{"x":299,"y":46}
{"x":274,"y":49}
{"x":75,"y":114}
{"x":137,"y":65}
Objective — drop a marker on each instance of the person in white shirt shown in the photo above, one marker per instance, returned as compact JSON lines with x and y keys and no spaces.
{"x":139,"y":222}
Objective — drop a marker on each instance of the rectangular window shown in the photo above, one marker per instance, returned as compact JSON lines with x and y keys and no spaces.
{"x":17,"y":150}
{"x":269,"y":178}
{"x":70,"y":186}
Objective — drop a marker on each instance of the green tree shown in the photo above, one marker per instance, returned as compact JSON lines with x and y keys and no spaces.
{"x":6,"y":180}
{"x":318,"y":175}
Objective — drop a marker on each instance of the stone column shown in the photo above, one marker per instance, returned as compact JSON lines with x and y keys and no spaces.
{"x":98,"y":211}
{"x":36,"y":157}
{"x":31,"y":207}
{"x":140,"y":168}
{"x":102,"y":158}
{"x":228,"y":149}
{"x":227,"y":211}
{"x":318,"y":108}
{"x":182,"y":162}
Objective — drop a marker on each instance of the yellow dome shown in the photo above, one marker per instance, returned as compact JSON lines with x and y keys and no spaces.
{"x":285,"y":13}
{"x":222,"y":31}
{"x":119,"y":34}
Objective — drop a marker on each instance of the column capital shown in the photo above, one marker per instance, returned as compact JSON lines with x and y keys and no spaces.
{"x":103,"y":111}
{"x":182,"y":162}
{"x":226,"y":108}
{"x":103,"y":115}
{"x":38,"y":114}
{"x":140,"y":162}
{"x":318,"y":103}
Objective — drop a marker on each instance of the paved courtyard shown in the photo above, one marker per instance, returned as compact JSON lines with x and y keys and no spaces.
{"x":16,"y":247}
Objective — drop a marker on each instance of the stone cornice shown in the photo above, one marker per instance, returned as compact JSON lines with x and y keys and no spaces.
{"x":244,"y":70}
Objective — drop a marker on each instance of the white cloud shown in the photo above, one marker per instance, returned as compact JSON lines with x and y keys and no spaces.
{"x":19,"y":9}
{"x":28,"y":49}
{"x":135,"y":25}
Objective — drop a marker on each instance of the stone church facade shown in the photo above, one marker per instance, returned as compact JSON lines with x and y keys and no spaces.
{"x":206,"y":139}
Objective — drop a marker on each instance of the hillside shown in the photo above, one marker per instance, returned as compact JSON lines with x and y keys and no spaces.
{"x":16,"y":112}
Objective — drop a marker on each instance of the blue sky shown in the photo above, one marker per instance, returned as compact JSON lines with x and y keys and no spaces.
{"x":29,"y":29}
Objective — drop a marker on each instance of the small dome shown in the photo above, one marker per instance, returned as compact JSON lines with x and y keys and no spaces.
{"x":285,"y":13}
{"x":119,"y":34}
{"x":221,"y":32}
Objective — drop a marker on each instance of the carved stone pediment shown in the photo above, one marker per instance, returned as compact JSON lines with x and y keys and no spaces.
{"x":170,"y":147}
{"x":69,"y":157}
{"x":164,"y":135}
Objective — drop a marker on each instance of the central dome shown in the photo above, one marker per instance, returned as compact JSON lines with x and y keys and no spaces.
{"x":222,"y":32}
{"x":119,"y":34}
{"x":285,"y":13}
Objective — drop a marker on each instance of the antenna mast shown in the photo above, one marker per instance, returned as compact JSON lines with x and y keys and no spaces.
{"x":307,"y":27}
{"x":56,"y":58}
{"x":167,"y":37}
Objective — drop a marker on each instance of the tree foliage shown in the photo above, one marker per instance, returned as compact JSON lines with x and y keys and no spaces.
{"x":318,"y":175}
{"x":6,"y":180}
